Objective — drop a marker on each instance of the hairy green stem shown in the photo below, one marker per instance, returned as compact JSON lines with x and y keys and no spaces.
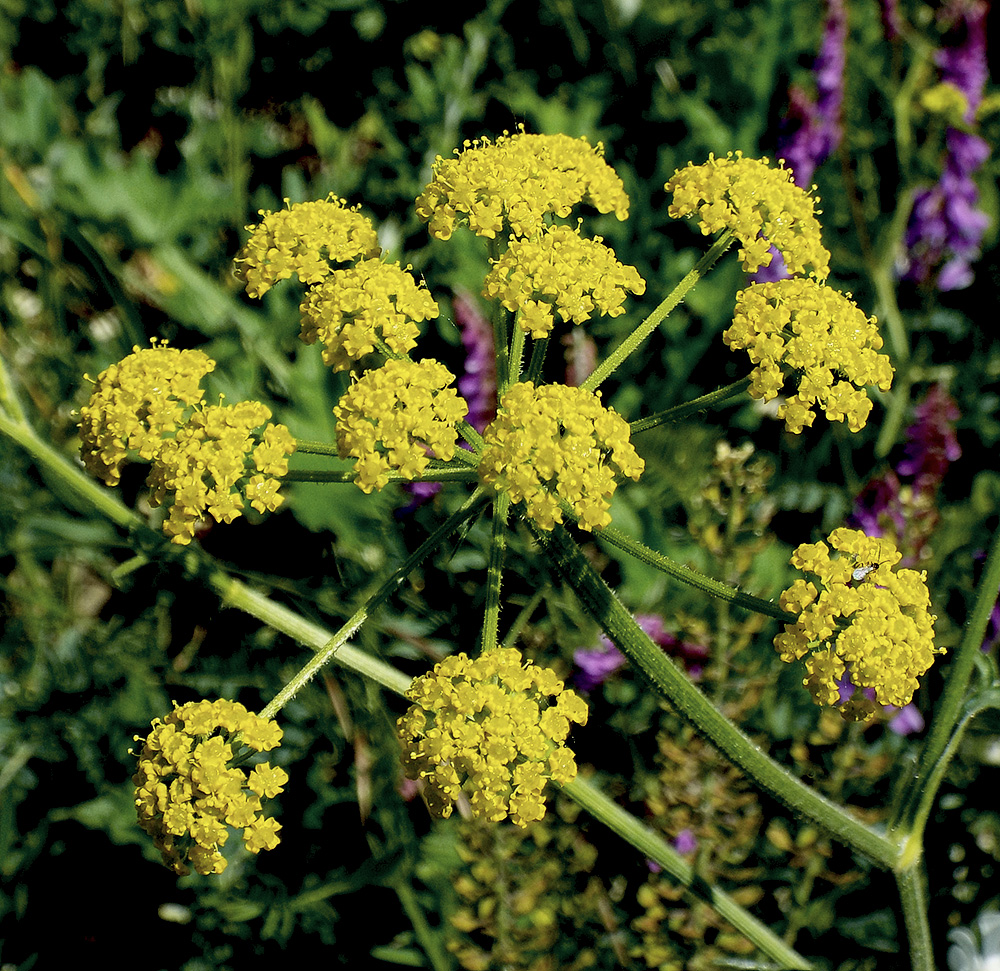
{"x":714,"y":588}
{"x":494,"y":575}
{"x":703,"y":403}
{"x":648,"y":842}
{"x":632,"y":342}
{"x":601,"y":602}
{"x":911,"y":884}
{"x":335,"y":646}
{"x":462,"y":474}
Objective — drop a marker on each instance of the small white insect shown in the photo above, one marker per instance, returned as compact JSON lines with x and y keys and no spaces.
{"x":860,"y":572}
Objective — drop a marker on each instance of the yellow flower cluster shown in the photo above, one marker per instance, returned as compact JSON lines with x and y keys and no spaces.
{"x":822,"y":334}
{"x":354,"y":306}
{"x":560,"y":270}
{"x":869,"y":622}
{"x":393,"y":415}
{"x":488,"y":726}
{"x":761,"y":205}
{"x":206,"y":459}
{"x":188,"y":794}
{"x":136,"y":404}
{"x":203,"y":466}
{"x":303,"y":239}
{"x":558,"y":438}
{"x":518,"y":179}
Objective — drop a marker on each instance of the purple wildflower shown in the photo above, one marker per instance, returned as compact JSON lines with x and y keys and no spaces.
{"x":902,"y":503}
{"x":946,"y":228}
{"x":907,"y":720}
{"x":686,"y":841}
{"x":596,"y":664}
{"x":479,"y":383}
{"x":813,"y":127}
{"x":890,"y":18}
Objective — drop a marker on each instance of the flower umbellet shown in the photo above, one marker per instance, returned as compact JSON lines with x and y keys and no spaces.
{"x":515,"y":182}
{"x":555,"y":443}
{"x":390,"y":417}
{"x":302,"y":240}
{"x":359,"y":305}
{"x":494,"y":728}
{"x":204,"y":459}
{"x":761,"y":205}
{"x":869,"y":621}
{"x":189,"y":793}
{"x":560,"y":271}
{"x":822,"y":334}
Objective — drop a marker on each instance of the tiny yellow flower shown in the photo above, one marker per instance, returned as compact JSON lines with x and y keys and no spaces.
{"x":761,"y":205}
{"x":187,"y":793}
{"x":556,"y":442}
{"x":489,"y":727}
{"x":391,"y":417}
{"x":353,"y":307}
{"x":514,"y":182}
{"x":822,"y":334}
{"x":867,"y":621}
{"x":303,"y":239}
{"x":560,"y":270}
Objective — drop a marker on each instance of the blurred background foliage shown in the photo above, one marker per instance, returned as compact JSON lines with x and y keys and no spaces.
{"x":136,"y":140}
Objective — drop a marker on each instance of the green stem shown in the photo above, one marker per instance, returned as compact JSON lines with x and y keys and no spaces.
{"x":461,"y":474}
{"x":538,"y":351}
{"x":516,"y":354}
{"x":494,"y":576}
{"x":632,"y":342}
{"x":601,"y":602}
{"x":92,"y":493}
{"x":938,"y":749}
{"x":714,"y":588}
{"x":335,"y":647}
{"x":706,"y":401}
{"x":653,"y":846}
{"x":316,"y":448}
{"x":913,"y":894}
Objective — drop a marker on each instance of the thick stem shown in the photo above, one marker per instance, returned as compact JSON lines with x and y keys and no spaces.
{"x":494,"y":576}
{"x":913,"y":894}
{"x":666,"y":677}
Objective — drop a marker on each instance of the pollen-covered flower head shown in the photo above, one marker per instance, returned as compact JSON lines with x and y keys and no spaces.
{"x":555,"y":442}
{"x":188,"y":793}
{"x":560,"y":271}
{"x":494,"y":728}
{"x":354,"y":307}
{"x":822,"y":334}
{"x":304,"y":239}
{"x":516,"y":181}
{"x":393,"y":415}
{"x":867,"y":620}
{"x":761,"y":205}
{"x":136,"y":404}
{"x":221,"y":456}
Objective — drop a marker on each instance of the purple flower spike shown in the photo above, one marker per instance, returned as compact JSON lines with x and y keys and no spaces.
{"x":946,"y":227}
{"x":814,"y":128}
